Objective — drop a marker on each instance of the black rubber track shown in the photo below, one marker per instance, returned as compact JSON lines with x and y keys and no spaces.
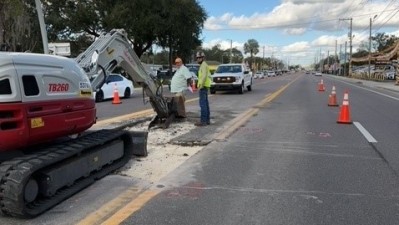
{"x":14,"y":174}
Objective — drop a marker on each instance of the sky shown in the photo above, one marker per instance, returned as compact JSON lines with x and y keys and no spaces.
{"x":297,"y":31}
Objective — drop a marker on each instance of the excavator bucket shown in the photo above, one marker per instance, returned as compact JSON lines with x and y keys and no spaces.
{"x":177,"y":109}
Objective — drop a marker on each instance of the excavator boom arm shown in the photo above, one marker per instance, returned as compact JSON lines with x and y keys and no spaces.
{"x":113,"y":49}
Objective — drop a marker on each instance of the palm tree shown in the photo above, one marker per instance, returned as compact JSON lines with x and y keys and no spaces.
{"x":252,"y":47}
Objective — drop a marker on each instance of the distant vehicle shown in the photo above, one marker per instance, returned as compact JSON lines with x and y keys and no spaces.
{"x":165,"y":74}
{"x":390,"y":75}
{"x":271,"y":73}
{"x":231,"y":77}
{"x":387,"y":70}
{"x":124,"y":86}
{"x":193,"y":68}
{"x":317,"y":73}
{"x":259,"y":75}
{"x":152,"y":69}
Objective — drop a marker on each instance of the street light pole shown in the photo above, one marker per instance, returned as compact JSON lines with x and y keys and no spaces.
{"x":371,"y":21}
{"x":231,"y":50}
{"x":263,"y":58}
{"x":350,"y":46}
{"x":350,"y":49}
{"x":370,"y":51}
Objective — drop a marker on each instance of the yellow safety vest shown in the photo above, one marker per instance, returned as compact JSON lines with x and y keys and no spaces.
{"x":208,"y":78}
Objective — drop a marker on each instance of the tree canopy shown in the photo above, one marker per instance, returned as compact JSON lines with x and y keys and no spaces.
{"x":382,"y":41}
{"x":175,"y":24}
{"x":19,"y":27}
{"x":252,"y":47}
{"x":217,"y":54}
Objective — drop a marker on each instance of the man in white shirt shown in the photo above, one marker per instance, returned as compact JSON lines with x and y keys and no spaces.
{"x":180,"y":82}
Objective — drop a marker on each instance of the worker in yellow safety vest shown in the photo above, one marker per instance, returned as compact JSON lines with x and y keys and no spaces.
{"x":204,"y":84}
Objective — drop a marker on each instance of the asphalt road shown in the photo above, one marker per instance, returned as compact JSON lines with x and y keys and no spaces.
{"x":290,"y":163}
{"x":293,"y":164}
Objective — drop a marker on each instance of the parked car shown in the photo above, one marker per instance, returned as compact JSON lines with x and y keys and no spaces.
{"x":271,"y":73}
{"x":317,"y":73}
{"x":193,"y":68}
{"x":259,"y":75}
{"x":165,"y":74}
{"x":231,"y":77}
{"x":125,"y":88}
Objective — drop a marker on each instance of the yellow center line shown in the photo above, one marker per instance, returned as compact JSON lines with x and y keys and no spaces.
{"x":127,"y":197}
{"x":110,"y":207}
{"x":136,"y":203}
{"x":130,"y":208}
{"x":234,"y":124}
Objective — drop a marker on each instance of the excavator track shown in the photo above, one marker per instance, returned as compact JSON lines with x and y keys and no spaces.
{"x":32,"y":184}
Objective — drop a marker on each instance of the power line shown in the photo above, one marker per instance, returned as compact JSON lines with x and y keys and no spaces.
{"x":366,"y":29}
{"x":397,"y":10}
{"x":388,"y":5}
{"x":348,"y":8}
{"x":264,"y":26}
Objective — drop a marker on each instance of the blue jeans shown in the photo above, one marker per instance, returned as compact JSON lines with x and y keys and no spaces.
{"x":204,"y":104}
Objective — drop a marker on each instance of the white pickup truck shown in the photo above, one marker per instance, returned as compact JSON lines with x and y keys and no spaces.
{"x":231,"y":77}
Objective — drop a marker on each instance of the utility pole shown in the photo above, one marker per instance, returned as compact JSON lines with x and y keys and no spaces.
{"x":370,"y":51}
{"x":272,"y":61}
{"x":321,"y":62}
{"x":328,"y":61}
{"x":42,"y":25}
{"x":371,"y":22}
{"x":339,"y":59}
{"x":263,"y":58}
{"x":350,"y":50}
{"x":345,"y":59}
{"x":350,"y":46}
{"x":231,"y":51}
{"x":335,"y":57}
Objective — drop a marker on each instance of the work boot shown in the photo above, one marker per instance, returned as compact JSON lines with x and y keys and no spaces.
{"x":200,"y":124}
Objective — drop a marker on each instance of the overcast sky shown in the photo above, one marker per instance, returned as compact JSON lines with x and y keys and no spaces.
{"x":297,"y":31}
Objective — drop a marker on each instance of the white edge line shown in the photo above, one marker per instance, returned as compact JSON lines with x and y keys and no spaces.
{"x":365,"y":133}
{"x":367,"y":89}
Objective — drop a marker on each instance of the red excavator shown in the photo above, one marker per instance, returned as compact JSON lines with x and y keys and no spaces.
{"x":45,"y":98}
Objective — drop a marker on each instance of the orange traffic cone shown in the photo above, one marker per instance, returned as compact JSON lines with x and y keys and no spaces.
{"x":321,"y":86}
{"x":332,"y":98}
{"x":344,"y":115}
{"x":116,"y":99}
{"x":193,"y":86}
